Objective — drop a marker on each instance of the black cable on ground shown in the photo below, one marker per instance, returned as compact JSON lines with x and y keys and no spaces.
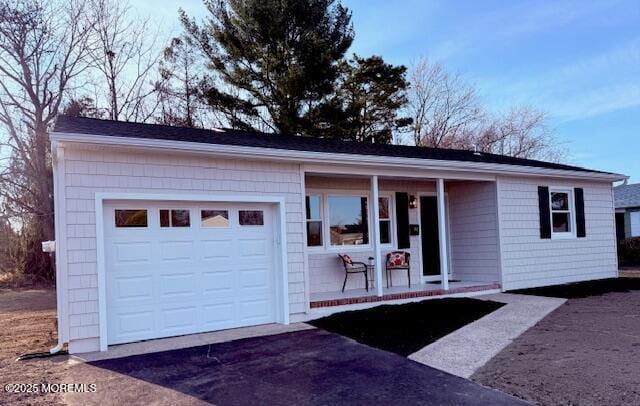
{"x":35,"y":355}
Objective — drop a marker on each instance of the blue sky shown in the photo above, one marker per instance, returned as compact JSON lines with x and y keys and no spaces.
{"x":577,"y":60}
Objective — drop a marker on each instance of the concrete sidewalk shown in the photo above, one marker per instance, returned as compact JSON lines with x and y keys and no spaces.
{"x":465,"y":350}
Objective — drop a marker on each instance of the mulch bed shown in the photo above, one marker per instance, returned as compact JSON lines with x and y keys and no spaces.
{"x":584,"y":289}
{"x":406,"y":328}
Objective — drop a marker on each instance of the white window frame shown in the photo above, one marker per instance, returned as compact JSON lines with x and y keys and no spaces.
{"x":392,"y":221}
{"x":326,"y":227}
{"x":321,"y":219}
{"x":171,"y":226}
{"x":571,"y":210}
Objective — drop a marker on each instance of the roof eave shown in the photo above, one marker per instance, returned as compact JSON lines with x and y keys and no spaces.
{"x":330,"y":158}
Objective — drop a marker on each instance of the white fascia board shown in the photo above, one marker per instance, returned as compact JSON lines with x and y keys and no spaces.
{"x":310,"y":157}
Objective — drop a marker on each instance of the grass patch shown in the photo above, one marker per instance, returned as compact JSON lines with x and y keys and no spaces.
{"x":406,"y":328}
{"x":578,"y":290}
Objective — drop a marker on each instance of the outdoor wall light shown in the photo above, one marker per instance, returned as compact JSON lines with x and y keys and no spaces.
{"x":413,"y":202}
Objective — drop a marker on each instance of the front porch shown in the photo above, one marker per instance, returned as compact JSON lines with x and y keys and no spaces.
{"x":356,"y":296}
{"x":449,"y":228}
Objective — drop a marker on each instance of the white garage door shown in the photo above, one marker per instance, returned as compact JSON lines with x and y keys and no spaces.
{"x":182,"y":268}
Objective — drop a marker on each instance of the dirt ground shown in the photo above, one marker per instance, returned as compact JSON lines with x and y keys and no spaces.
{"x":27,"y":324}
{"x":587,"y":352}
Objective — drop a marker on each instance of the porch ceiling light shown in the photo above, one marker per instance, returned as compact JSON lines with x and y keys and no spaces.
{"x":413,"y":202}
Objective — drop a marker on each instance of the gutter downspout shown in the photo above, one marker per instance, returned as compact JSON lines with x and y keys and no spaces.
{"x":57,"y":162}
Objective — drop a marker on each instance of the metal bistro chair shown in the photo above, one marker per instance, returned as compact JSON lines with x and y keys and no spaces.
{"x":398,"y":260}
{"x":351,"y":267}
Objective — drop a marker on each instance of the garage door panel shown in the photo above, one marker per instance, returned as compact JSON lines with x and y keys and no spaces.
{"x":253,"y":247}
{"x":170,"y":281}
{"x":129,"y":325}
{"x":254,"y":278}
{"x":130,"y":288}
{"x":216,"y":249}
{"x":254,"y":310}
{"x":132,"y":252}
{"x":178,"y":285}
{"x":220,"y":283}
{"x":174,"y":320}
{"x":177,"y":251}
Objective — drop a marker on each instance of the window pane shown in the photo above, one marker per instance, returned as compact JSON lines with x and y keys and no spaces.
{"x":180,"y":218}
{"x":560,"y":222}
{"x":559,"y":201}
{"x":164,"y":218}
{"x":131,"y":218}
{"x":313,"y":207}
{"x":383,"y":203}
{"x":385,"y":232}
{"x":314,"y":233}
{"x":348,"y":220}
{"x":251,"y":217}
{"x":214,"y":218}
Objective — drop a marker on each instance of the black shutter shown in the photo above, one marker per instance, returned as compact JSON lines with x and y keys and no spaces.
{"x":402,"y":219}
{"x":581,"y":228}
{"x":545,"y":212}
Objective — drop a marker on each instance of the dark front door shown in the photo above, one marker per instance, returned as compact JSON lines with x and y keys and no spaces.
{"x":429,"y":235}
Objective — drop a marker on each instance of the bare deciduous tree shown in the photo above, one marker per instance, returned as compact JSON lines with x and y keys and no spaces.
{"x":446,"y":113}
{"x":445,"y":109}
{"x":523,"y":133}
{"x":125,"y":55}
{"x":42,"y":49}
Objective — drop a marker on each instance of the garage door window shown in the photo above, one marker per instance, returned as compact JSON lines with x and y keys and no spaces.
{"x":214,"y":218}
{"x":131,"y":218}
{"x":174,"y":218}
{"x":251,"y":217}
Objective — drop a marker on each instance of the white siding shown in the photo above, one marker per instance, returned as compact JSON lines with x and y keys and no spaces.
{"x":474,"y":231}
{"x":101,"y":170}
{"x":528,"y":260}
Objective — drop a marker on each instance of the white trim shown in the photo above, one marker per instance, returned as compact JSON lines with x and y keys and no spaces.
{"x":377,"y":253}
{"x":442,"y":228}
{"x":392,"y":222}
{"x":407,"y":164}
{"x":60,"y":222}
{"x":324,"y":218}
{"x":571,"y":211}
{"x":499,"y":230}
{"x":100,"y":197}
{"x":305,"y":249}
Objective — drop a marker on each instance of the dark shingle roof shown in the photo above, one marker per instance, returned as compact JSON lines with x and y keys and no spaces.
{"x":83,"y":125}
{"x":627,"y":195}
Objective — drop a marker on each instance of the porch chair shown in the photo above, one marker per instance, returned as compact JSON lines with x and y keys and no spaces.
{"x":350,"y":267}
{"x":398,"y":260}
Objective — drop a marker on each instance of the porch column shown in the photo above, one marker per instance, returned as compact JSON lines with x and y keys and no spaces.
{"x":375,"y":235}
{"x":442,"y":230}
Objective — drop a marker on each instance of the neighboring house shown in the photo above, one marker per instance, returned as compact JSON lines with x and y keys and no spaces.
{"x":164,"y":231}
{"x":627,"y":201}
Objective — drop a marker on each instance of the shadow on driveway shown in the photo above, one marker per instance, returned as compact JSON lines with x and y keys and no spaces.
{"x":303,"y":367}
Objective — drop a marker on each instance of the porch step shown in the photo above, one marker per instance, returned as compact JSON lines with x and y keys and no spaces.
{"x":402,"y":295}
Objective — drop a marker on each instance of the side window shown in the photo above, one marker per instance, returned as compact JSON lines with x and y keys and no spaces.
{"x":214,"y":218}
{"x":314,"y":221}
{"x":561,"y":212}
{"x":174,"y":218}
{"x":130,"y":218}
{"x":385,"y":219}
{"x":251,"y":217}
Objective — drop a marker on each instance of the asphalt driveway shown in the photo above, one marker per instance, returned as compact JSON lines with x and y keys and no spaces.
{"x":304,"y":367}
